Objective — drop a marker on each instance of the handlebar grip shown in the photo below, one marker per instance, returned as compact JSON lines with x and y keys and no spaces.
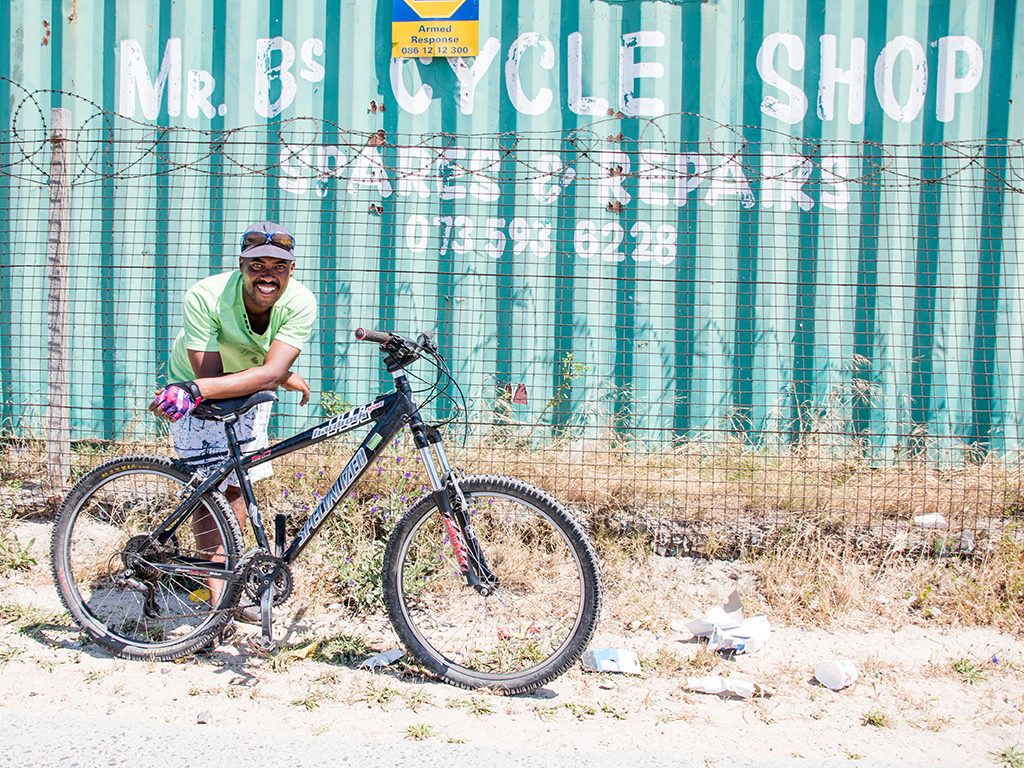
{"x":376,"y":337}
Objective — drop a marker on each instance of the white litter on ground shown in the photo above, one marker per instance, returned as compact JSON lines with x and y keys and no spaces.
{"x":728,"y":686}
{"x":726,"y":628}
{"x":611,"y":660}
{"x":382,"y":659}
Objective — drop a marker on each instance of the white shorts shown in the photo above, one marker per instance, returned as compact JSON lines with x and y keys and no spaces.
{"x":203,"y":443}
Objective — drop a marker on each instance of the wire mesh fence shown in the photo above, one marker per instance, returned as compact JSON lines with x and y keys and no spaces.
{"x":710,"y":333}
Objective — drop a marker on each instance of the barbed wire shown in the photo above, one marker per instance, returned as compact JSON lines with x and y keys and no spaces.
{"x":102,"y":138}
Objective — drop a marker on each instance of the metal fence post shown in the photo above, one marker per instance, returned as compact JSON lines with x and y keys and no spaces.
{"x":58,"y":430}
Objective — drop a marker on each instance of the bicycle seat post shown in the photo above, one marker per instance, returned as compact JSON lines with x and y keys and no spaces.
{"x":235,"y":450}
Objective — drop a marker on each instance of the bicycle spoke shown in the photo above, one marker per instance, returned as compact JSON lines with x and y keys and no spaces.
{"x":119,"y":582}
{"x":532,"y":612}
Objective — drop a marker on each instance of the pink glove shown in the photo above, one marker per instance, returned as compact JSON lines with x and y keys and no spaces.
{"x":179,"y":399}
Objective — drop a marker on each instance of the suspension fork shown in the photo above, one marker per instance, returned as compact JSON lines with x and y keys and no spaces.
{"x":449,"y":498}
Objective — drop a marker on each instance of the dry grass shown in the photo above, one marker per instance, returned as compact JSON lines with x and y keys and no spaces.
{"x":607,"y":477}
{"x":728,"y":501}
{"x":700,"y":480}
{"x":826,"y":533}
{"x":818,"y":581}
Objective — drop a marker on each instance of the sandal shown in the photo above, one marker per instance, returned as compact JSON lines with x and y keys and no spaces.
{"x":250,"y":614}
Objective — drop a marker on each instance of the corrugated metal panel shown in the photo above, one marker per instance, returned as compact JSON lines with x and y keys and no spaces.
{"x":887,"y":305}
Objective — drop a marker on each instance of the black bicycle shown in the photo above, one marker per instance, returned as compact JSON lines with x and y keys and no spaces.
{"x":488,"y":581}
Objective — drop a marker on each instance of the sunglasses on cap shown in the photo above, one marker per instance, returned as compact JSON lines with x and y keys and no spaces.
{"x":280,"y":239}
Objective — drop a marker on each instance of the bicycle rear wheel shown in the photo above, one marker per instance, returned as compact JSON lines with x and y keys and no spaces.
{"x":116,"y":583}
{"x":537,"y":621}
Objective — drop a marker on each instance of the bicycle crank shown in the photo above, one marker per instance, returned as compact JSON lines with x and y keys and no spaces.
{"x":263,"y":570}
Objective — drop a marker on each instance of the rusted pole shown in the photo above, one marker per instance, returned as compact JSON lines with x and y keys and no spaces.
{"x":58,"y":428}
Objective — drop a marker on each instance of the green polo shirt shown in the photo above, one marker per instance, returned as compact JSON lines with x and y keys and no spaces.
{"x":214,"y":320}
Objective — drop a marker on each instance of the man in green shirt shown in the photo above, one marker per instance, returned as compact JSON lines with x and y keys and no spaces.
{"x":242,"y":332}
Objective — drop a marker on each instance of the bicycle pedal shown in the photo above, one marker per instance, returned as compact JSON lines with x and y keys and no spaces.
{"x":226,"y":634}
{"x":265,"y":645}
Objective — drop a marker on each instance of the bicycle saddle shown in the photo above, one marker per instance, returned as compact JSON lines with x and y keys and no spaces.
{"x":231,"y":408}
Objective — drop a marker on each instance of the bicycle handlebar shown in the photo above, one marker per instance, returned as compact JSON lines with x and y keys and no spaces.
{"x":376,"y":337}
{"x":399,"y":352}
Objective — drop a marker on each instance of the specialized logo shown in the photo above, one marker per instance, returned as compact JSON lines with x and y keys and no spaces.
{"x":347,"y":421}
{"x":333,"y":496}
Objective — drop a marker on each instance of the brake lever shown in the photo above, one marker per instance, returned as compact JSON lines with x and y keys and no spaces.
{"x":424,"y":342}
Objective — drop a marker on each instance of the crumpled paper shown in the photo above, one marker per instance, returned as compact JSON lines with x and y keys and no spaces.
{"x":728,"y":686}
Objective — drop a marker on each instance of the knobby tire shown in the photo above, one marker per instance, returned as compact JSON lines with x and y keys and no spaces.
{"x":152,"y":614}
{"x":539,"y":619}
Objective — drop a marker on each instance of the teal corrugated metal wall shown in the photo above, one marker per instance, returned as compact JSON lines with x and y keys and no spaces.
{"x":880,"y":299}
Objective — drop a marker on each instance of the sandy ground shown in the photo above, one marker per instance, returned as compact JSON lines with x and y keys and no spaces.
{"x":922,"y":711}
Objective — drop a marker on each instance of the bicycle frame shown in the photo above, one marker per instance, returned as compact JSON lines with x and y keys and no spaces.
{"x":391,"y":413}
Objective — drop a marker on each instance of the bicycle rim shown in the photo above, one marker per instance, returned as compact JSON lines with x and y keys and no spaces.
{"x":110,"y":577}
{"x":529,"y":629}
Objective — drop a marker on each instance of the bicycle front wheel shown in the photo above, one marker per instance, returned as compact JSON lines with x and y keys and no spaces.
{"x":132,"y":595}
{"x":545,"y":604}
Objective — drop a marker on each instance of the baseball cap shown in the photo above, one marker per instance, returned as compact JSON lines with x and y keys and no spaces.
{"x":266,"y":238}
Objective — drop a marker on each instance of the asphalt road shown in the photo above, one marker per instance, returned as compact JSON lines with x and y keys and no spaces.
{"x":32,"y":739}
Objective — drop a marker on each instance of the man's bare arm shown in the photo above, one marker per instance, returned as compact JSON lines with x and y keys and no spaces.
{"x":214,"y":384}
{"x":205,"y":364}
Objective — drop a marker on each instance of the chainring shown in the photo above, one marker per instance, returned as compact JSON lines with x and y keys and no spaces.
{"x":258,"y":569}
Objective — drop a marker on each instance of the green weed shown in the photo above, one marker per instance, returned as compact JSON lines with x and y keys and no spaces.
{"x":416,"y":699}
{"x":613,"y":712}
{"x":969,"y":672}
{"x":474,"y":705}
{"x":580,"y":711}
{"x":344,"y":650}
{"x":9,"y":653}
{"x":876,"y":718}
{"x":311,"y":701}
{"x":377,"y":695}
{"x":14,"y":556}
{"x":546,"y":713}
{"x":1011,"y":757}
{"x":419,"y":731}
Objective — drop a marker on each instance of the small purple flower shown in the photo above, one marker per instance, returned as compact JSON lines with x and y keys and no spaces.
{"x":376,"y":496}
{"x":374,"y":509}
{"x":348,"y":559}
{"x":305,"y":507}
{"x":408,"y":475}
{"x":298,"y":475}
{"x":379,"y":469}
{"x":398,"y":459}
{"x":286,"y":493}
